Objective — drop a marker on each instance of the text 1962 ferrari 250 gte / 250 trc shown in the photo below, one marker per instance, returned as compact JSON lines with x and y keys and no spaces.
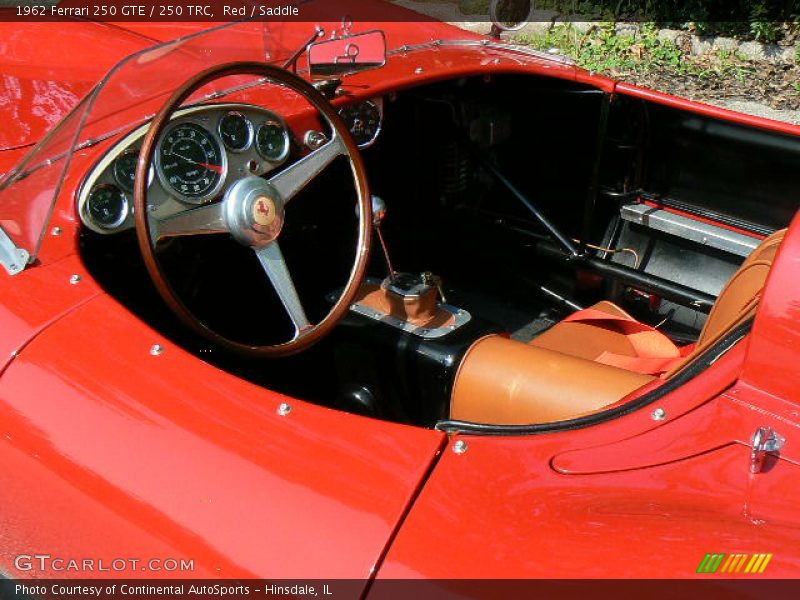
{"x":454,"y":310}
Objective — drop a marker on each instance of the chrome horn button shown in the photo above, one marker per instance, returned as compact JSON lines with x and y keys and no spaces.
{"x":253,"y":212}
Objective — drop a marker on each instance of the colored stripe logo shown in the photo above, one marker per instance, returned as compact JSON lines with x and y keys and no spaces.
{"x":734,"y":563}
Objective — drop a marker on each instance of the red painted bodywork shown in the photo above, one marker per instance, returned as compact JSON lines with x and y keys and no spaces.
{"x":108,"y":451}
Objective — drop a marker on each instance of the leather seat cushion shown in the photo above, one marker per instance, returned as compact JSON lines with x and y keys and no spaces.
{"x":587,"y":340}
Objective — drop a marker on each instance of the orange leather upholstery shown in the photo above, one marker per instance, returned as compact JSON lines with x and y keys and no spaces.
{"x":737,"y":300}
{"x":587,"y":340}
{"x":506,"y":382}
{"x":741,"y":294}
{"x":555,"y":377}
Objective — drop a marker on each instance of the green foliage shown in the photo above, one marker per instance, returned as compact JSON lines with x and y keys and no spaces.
{"x":602,"y":49}
{"x":763,"y":20}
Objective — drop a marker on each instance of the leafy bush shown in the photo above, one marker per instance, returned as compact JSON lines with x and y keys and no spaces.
{"x":763,"y":20}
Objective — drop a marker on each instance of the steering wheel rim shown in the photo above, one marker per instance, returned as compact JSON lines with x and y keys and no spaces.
{"x":237,"y":212}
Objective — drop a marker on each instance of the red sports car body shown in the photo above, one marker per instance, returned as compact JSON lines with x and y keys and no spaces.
{"x":382,"y":452}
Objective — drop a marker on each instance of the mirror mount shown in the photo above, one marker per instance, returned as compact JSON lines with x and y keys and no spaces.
{"x":328,"y":87}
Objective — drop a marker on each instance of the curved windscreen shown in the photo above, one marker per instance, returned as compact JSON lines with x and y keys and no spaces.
{"x":128,"y":96}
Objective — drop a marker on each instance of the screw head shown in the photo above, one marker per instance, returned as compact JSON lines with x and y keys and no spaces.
{"x":284,"y":409}
{"x":157,"y":350}
{"x":57,"y":231}
{"x":419,"y":70}
{"x":460,"y":447}
{"x":659,"y":414}
{"x":75,"y":279}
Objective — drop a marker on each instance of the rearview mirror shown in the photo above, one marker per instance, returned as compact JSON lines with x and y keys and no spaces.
{"x":346,"y":55}
{"x":510,"y":15}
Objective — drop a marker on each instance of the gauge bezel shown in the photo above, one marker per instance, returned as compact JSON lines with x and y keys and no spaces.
{"x":378,"y":107}
{"x":250,"y":131}
{"x":162,"y":178}
{"x":286,"y":146}
{"x":125,"y":203}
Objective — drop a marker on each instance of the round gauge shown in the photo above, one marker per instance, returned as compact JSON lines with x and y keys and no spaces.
{"x":107,"y":206}
{"x":190,"y":162}
{"x":272,"y":141}
{"x":364,"y":122}
{"x":236,"y":131}
{"x":125,"y":170}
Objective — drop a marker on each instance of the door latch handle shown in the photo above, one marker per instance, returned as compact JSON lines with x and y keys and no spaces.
{"x":765,"y":441}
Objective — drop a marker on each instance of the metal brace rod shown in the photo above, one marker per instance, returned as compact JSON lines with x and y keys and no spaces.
{"x":562,"y":239}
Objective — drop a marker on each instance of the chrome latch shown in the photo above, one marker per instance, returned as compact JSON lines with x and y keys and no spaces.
{"x":12,"y":258}
{"x":765,"y":441}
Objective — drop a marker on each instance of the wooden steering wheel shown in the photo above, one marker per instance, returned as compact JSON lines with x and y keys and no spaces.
{"x":252,"y":212}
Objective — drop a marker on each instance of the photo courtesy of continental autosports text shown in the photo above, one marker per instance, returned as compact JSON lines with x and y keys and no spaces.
{"x":140,"y":590}
{"x":390,"y":299}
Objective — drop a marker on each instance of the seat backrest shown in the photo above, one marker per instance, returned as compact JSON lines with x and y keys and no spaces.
{"x":742,"y":292}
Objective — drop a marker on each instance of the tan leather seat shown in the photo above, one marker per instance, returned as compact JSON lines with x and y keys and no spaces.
{"x":557,"y":377}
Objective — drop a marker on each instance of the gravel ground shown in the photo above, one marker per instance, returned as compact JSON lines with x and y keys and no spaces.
{"x":760,"y":110}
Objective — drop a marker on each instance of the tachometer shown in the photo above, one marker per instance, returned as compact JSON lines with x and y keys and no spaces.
{"x":107,"y":206}
{"x":272,"y":141}
{"x":236,"y":131}
{"x":364,"y":122}
{"x":191,"y":163}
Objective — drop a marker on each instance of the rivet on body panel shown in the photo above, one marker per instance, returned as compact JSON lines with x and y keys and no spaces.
{"x":284,"y":409}
{"x":57,"y":231}
{"x":460,"y":447}
{"x":659,"y":414}
{"x":75,"y":279}
{"x":419,"y":70}
{"x":157,"y":350}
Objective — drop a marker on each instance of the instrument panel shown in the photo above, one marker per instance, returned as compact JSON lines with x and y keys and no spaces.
{"x":202,"y":151}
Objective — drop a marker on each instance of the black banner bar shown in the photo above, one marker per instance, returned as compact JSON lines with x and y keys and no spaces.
{"x":667,"y":12}
{"x":712,"y":587}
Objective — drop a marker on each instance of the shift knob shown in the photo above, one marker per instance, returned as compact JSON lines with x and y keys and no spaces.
{"x":378,"y":211}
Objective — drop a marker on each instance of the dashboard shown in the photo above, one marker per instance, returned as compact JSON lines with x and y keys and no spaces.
{"x":202,"y":151}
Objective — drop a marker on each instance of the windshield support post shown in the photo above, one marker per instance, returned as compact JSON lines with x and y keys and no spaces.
{"x":12,"y":258}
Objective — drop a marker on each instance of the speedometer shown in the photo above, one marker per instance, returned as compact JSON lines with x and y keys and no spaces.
{"x":191,"y":163}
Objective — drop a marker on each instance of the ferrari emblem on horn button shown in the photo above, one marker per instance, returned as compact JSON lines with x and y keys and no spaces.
{"x":264,"y":211}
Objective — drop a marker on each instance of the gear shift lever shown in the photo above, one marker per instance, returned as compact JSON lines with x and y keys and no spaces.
{"x":411,"y":300}
{"x":378,"y":215}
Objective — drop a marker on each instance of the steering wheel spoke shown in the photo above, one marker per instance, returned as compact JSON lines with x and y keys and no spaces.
{"x":272,"y":260}
{"x":202,"y":220}
{"x":295,"y":177}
